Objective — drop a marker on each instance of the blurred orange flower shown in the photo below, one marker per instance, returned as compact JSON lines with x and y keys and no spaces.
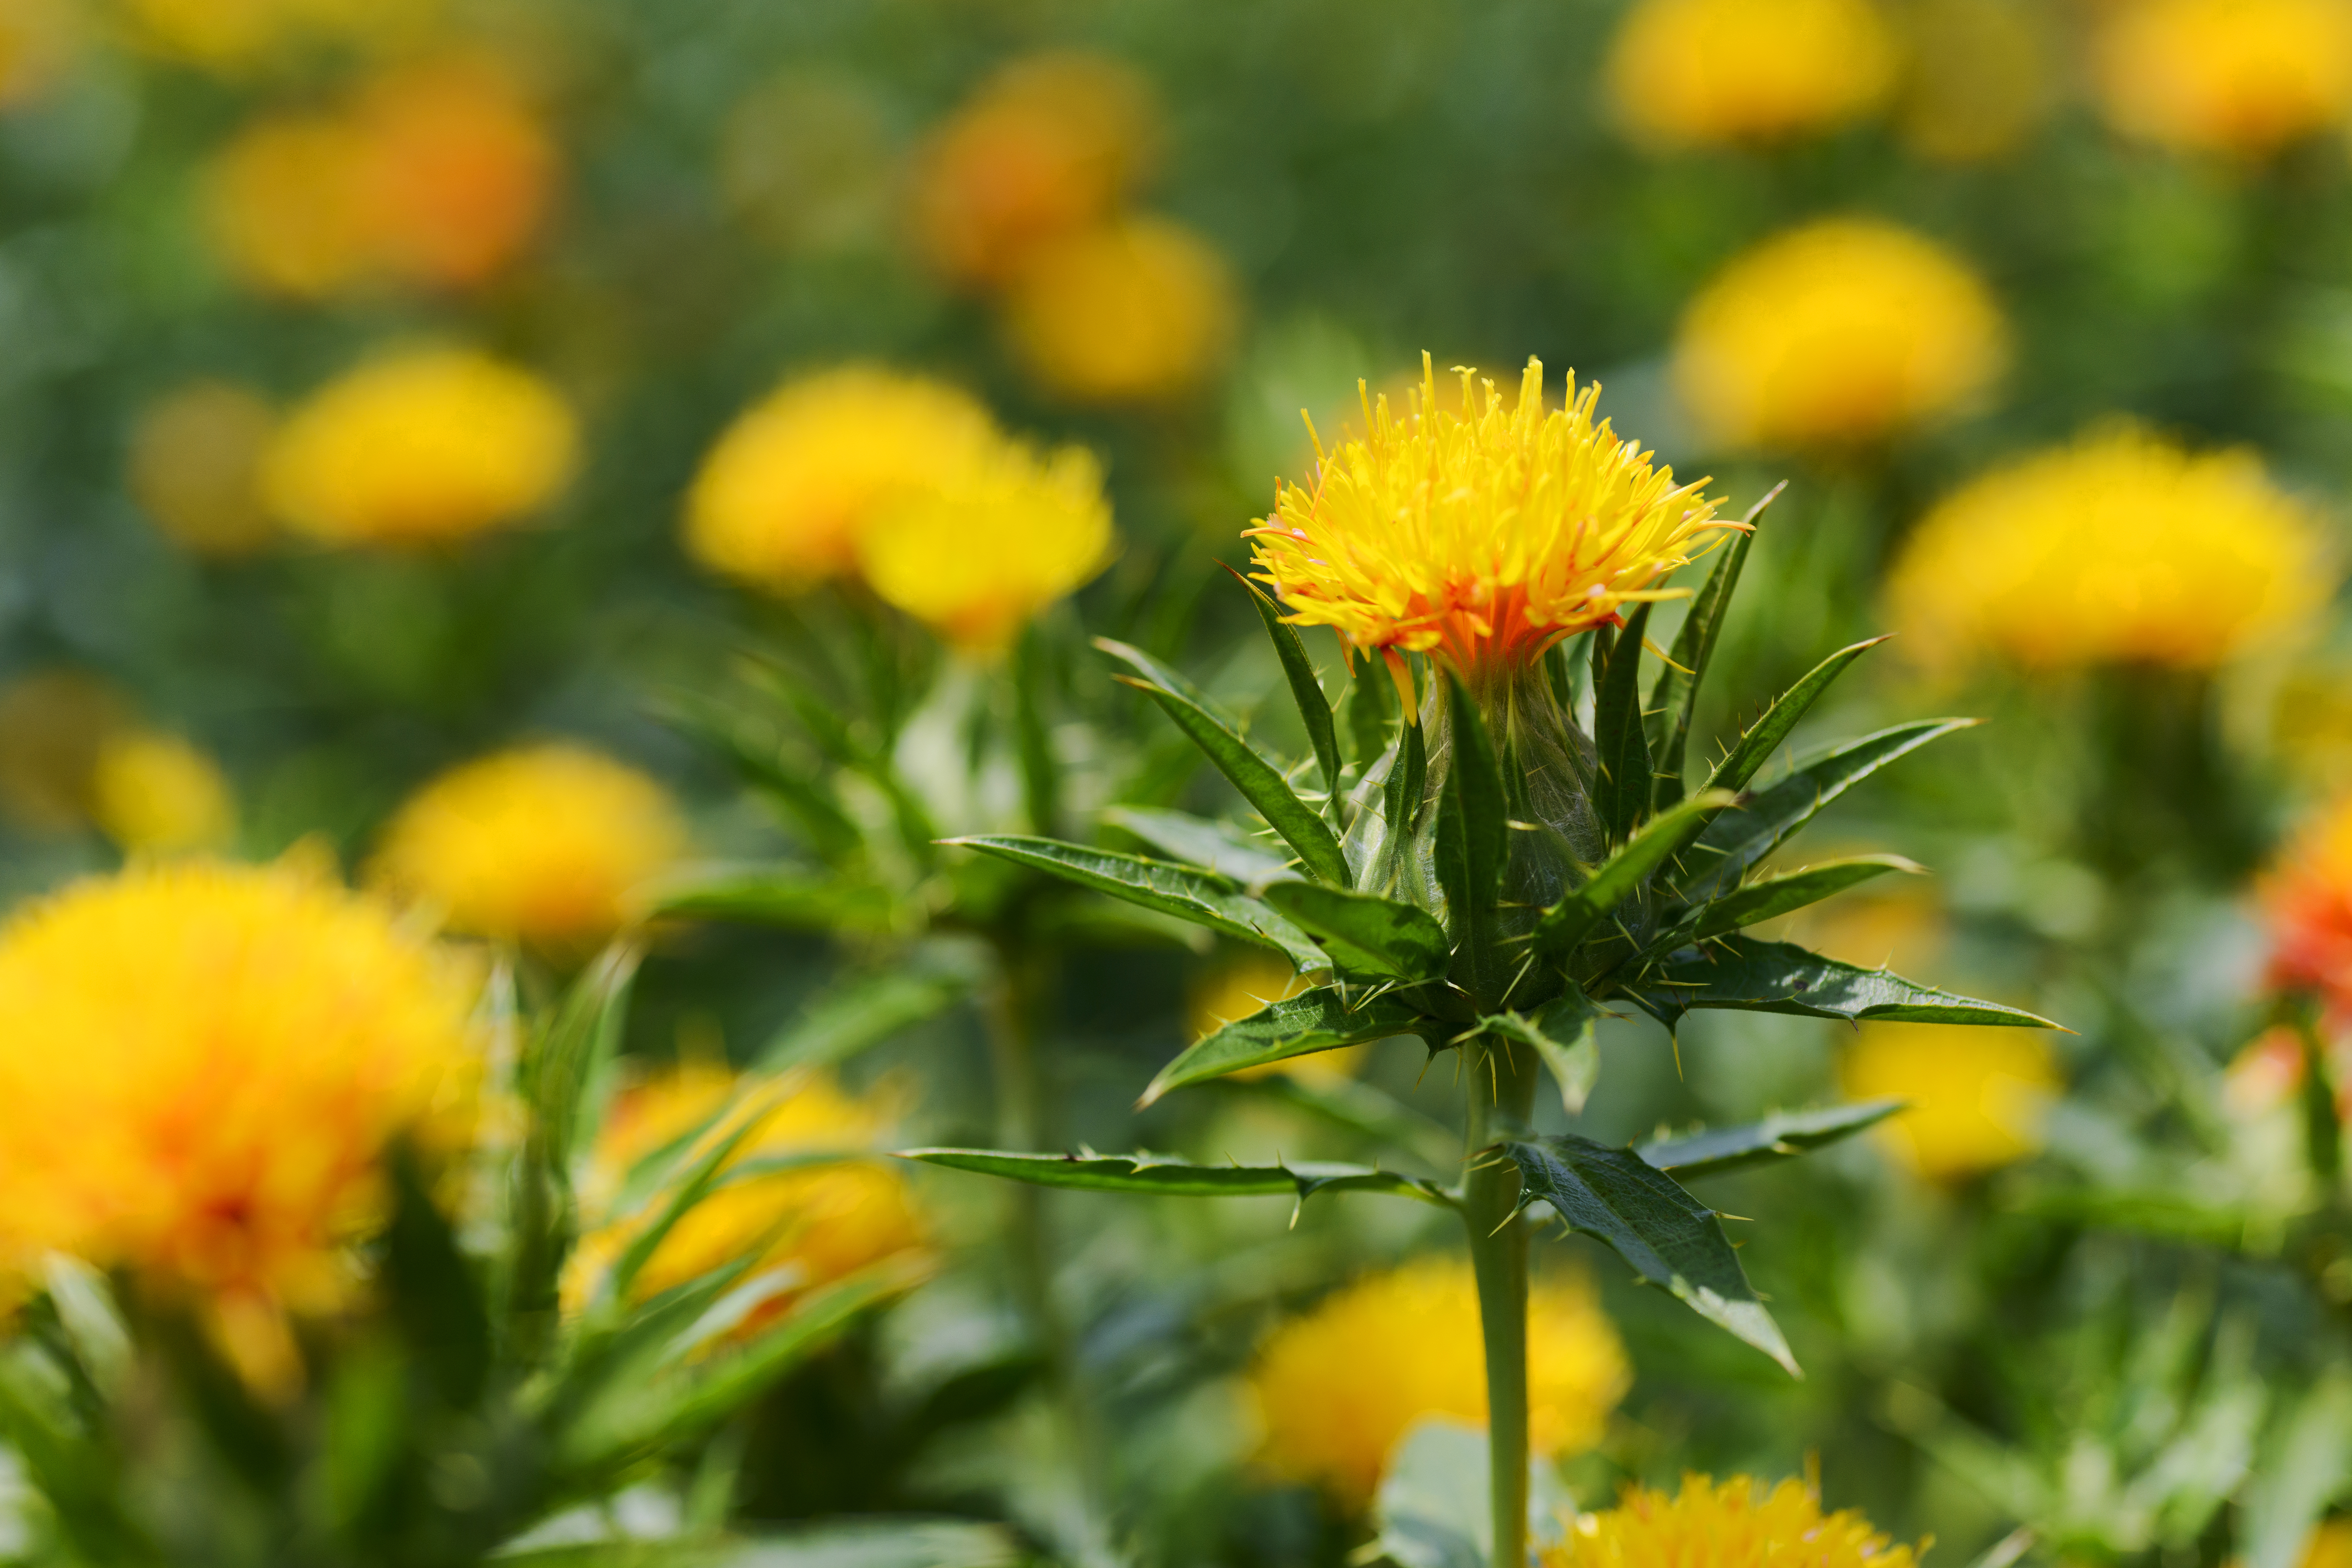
{"x":2306,"y":901}
{"x":2243,"y":76}
{"x":1700,"y":72}
{"x":1136,"y":311}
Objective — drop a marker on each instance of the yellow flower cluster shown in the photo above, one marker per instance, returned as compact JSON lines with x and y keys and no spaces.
{"x":437,"y":173}
{"x":2122,"y":548}
{"x":156,"y":794}
{"x":808,"y":1225}
{"x":196,"y":466}
{"x":420,"y":447}
{"x":1734,"y":1524}
{"x":2236,"y":76}
{"x":1978,"y":1095}
{"x":1481,"y":535}
{"x":200,"y":1064}
{"x":1338,"y":1386}
{"x":1706,"y":72}
{"x":908,"y":484}
{"x":1839,"y":333}
{"x":546,"y":844}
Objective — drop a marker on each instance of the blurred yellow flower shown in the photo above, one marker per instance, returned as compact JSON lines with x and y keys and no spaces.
{"x":1136,"y":311}
{"x":422,"y":446}
{"x":283,"y":207}
{"x":781,"y":499}
{"x":1686,"y":72}
{"x":235,"y":37}
{"x":200,"y":1064}
{"x":38,"y":39}
{"x":157,"y":793}
{"x":1046,"y":147}
{"x":53,"y":724}
{"x":1982,"y":77}
{"x":1736,"y":1524}
{"x":2120,"y":548}
{"x":2241,"y":76}
{"x":1978,"y":1095}
{"x":1481,"y":535}
{"x":455,"y":169}
{"x":2330,"y":1545}
{"x":808,"y":1225}
{"x":544,"y":844}
{"x":976,"y":558}
{"x":1841,"y":331}
{"x":196,"y":466}
{"x":1338,"y":1387}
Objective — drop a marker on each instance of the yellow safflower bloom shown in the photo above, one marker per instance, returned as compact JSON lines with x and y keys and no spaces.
{"x":2120,"y":548}
{"x":2241,"y":77}
{"x":1046,"y":148}
{"x":1703,"y":72}
{"x":1841,"y":331}
{"x":783,"y":497}
{"x":284,"y":209}
{"x":1337,"y":1386}
{"x":1978,"y":1095}
{"x":543,"y":844}
{"x":154,"y":792}
{"x":976,"y":559}
{"x":808,"y":1226}
{"x":423,"y":446}
{"x":2330,"y":1545}
{"x":1482,"y":535}
{"x":53,"y":724}
{"x":235,"y":37}
{"x":196,"y":466}
{"x":200,"y":1064}
{"x":1134,"y":311}
{"x":1736,"y":1524}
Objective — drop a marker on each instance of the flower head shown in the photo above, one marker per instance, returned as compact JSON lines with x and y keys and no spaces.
{"x":196,"y":466}
{"x":1481,"y":535}
{"x":2307,"y":899}
{"x":1332,"y":1420}
{"x":2242,"y":77}
{"x":545,"y":844}
{"x":1978,"y":1095}
{"x":2122,"y":548}
{"x":1841,"y":331}
{"x":1734,"y":1524}
{"x":975,"y":558}
{"x":157,"y":793}
{"x":1710,"y":71}
{"x":807,"y":1225}
{"x":419,"y":446}
{"x":200,"y":1064}
{"x":1131,"y":311}
{"x":781,"y":500}
{"x":283,"y":207}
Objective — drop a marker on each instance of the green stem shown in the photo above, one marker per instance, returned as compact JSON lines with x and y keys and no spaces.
{"x":1502,"y":1098}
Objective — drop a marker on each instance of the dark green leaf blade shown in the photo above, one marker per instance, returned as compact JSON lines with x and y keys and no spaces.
{"x":1314,"y":708}
{"x":1779,"y":1136}
{"x":1774,"y":896}
{"x":1186,"y":891}
{"x":1763,"y":738}
{"x":1260,"y":781}
{"x":1562,"y":1036}
{"x":1675,"y":697}
{"x":1377,"y":936}
{"x":1748,"y":975}
{"x":1318,"y":1020}
{"x":1198,"y":841}
{"x":1165,"y":1175}
{"x":1621,"y":790}
{"x":1569,"y":921}
{"x":1667,"y":1236}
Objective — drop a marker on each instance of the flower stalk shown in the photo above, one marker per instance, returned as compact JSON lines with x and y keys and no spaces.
{"x":1501,"y":1099}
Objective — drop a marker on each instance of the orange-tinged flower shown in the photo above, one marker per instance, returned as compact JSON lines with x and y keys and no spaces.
{"x":2306,"y":901}
{"x":196,"y":466}
{"x":546,"y":844}
{"x":1133,"y":311}
{"x":200,"y":1064}
{"x":1481,"y":534}
{"x":1734,"y":1524}
{"x":1337,"y":1387}
{"x":2241,"y":77}
{"x":454,"y":170}
{"x":1697,"y":72}
{"x":1978,"y":1095}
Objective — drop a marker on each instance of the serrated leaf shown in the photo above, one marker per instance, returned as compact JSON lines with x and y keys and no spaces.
{"x":1322,"y":1019}
{"x":1675,"y":697}
{"x":1305,"y":690}
{"x":1562,"y":1036}
{"x":1372,"y":935}
{"x":1621,"y":796}
{"x":1164,"y":1176}
{"x":1755,"y":746}
{"x":1737,"y":840}
{"x":1570,"y":921}
{"x":1197,"y":841}
{"x":1260,"y":781}
{"x":1775,"y":896}
{"x":1779,"y":1136}
{"x":864,"y":1010}
{"x":1668,"y":1237}
{"x":1747,"y":975}
{"x":775,"y":896}
{"x":1186,"y":891}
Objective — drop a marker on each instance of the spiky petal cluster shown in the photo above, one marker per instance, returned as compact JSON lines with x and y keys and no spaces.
{"x":1480,"y":535}
{"x":1734,"y":1524}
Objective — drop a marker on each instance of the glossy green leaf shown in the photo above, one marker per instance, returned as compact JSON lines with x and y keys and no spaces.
{"x":868,"y":1541}
{"x":1779,"y":1136}
{"x":1306,"y":688}
{"x":1621,"y":796}
{"x":1755,"y":746}
{"x":1748,"y":975}
{"x":1260,"y":781}
{"x":1562,"y":1035}
{"x":1370,"y":935}
{"x":1570,"y":921}
{"x":1213,"y":845}
{"x":1184,"y":891}
{"x":776,"y":896}
{"x":1675,"y":697}
{"x":431,"y":1289}
{"x":1775,"y":896}
{"x":1667,"y":1236}
{"x":864,"y":1010}
{"x":1165,"y":1175}
{"x":1319,"y":1020}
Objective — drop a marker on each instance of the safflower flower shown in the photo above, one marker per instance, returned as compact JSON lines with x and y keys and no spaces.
{"x":1708,"y":72}
{"x":1133,"y":311}
{"x":155,"y":793}
{"x":2242,"y":77}
{"x":1978,"y":1096}
{"x":1737,"y":1523}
